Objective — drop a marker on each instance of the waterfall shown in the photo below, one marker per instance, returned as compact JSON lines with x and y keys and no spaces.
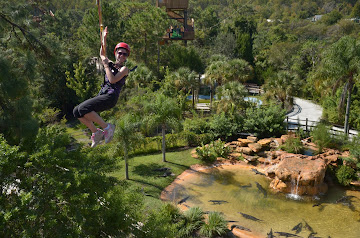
{"x":294,"y":189}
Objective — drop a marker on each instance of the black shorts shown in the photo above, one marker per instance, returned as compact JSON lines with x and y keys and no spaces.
{"x":98,"y":104}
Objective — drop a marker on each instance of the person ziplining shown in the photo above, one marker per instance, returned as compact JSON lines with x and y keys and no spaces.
{"x":114,"y":79}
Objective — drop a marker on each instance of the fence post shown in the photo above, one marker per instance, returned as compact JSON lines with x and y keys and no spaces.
{"x":306,"y":127}
{"x":287,"y":123}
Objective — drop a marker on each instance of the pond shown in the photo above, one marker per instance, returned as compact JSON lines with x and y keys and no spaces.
{"x":233,"y":190}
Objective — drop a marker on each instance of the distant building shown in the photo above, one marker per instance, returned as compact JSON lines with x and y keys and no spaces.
{"x":316,"y":18}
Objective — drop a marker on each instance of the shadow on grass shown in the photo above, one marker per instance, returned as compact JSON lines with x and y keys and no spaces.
{"x":178,"y":165}
{"x":146,"y":183}
{"x":147,"y":170}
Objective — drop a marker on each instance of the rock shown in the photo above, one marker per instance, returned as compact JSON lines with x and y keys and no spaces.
{"x":270,"y":171}
{"x":244,"y":150}
{"x":235,"y":155}
{"x":299,"y":170}
{"x":255,"y":147}
{"x":263,"y":160}
{"x":278,"y":141}
{"x":251,"y":158}
{"x":265,"y":142}
{"x":252,"y":138}
{"x":194,"y":154}
{"x":244,"y":142}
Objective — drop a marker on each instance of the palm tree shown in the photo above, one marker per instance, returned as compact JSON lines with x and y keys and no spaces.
{"x":240,"y":70}
{"x":128,"y":137}
{"x":231,"y":97}
{"x":141,"y":77}
{"x":283,"y":87}
{"x":186,"y":80}
{"x":162,"y":111}
{"x":340,"y":66}
{"x":216,"y":74}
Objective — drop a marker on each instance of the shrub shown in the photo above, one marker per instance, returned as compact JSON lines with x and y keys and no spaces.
{"x":197,"y":125}
{"x":192,"y":222}
{"x":210,"y":152}
{"x":219,"y":149}
{"x":293,"y":145}
{"x":345,"y":175}
{"x":224,"y":126}
{"x":205,"y":153}
{"x":194,"y":139}
{"x":216,"y":225}
{"x":321,"y":136}
{"x":265,"y":121}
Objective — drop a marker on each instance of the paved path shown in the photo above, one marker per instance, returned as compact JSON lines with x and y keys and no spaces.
{"x":305,"y":109}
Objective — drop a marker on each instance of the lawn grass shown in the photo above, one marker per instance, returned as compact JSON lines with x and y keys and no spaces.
{"x":142,"y":175}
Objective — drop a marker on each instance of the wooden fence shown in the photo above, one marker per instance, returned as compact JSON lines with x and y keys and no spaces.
{"x":308,"y":125}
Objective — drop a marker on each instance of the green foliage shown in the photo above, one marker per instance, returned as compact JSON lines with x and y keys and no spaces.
{"x":225,"y":126}
{"x":293,"y":145}
{"x":193,"y":220}
{"x":345,"y":175}
{"x":210,"y":152}
{"x":215,"y":226}
{"x":220,"y":150}
{"x":177,"y":56}
{"x":84,"y":84}
{"x":197,"y":125}
{"x":162,"y":223}
{"x":50,"y":191}
{"x":206,"y":153}
{"x":265,"y":121}
{"x":321,"y":136}
{"x":194,"y":139}
{"x":231,"y":97}
{"x":331,"y":18}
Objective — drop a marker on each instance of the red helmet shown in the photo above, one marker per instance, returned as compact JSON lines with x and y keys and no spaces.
{"x":122,"y":45}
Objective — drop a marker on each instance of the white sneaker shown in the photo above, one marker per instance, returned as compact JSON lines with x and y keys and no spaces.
{"x":96,"y":137}
{"x":109,"y":133}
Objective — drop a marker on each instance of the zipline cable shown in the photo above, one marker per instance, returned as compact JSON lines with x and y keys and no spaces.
{"x":100,"y":23}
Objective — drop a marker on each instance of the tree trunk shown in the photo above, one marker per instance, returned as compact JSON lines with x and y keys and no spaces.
{"x":163,"y":142}
{"x":193,"y":97}
{"x":211,"y":95}
{"x":126,"y":164}
{"x":347,"y":113}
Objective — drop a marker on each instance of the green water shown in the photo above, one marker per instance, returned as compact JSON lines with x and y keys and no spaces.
{"x":276,"y":211}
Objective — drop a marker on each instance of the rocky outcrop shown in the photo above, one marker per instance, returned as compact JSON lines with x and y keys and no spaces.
{"x":291,"y":173}
{"x":300,"y":174}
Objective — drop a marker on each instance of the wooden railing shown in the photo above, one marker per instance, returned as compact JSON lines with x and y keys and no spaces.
{"x":308,"y":125}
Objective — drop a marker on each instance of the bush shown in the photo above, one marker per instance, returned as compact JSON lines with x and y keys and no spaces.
{"x":210,"y":152}
{"x":205,"y":153}
{"x":293,"y":145}
{"x":321,"y":136}
{"x":216,"y":225}
{"x":265,"y":121}
{"x":194,"y":139}
{"x":193,"y":219}
{"x":197,"y":125}
{"x":345,"y":175}
{"x":224,"y":126}
{"x":219,"y":149}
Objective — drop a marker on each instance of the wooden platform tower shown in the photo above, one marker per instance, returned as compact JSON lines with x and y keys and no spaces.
{"x":177,"y":10}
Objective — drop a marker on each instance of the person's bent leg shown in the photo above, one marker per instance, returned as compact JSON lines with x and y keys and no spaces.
{"x":94,"y":117}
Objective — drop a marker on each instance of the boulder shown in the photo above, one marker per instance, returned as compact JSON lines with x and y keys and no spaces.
{"x":256,"y":147}
{"x":244,"y":150}
{"x":244,"y":142}
{"x":265,"y":142}
{"x":250,"y":158}
{"x":300,"y":172}
{"x":252,"y":138}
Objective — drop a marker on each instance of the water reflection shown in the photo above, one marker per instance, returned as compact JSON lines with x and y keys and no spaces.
{"x":239,"y":194}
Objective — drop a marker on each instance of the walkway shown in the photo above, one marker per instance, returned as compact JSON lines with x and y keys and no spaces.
{"x":305,"y":109}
